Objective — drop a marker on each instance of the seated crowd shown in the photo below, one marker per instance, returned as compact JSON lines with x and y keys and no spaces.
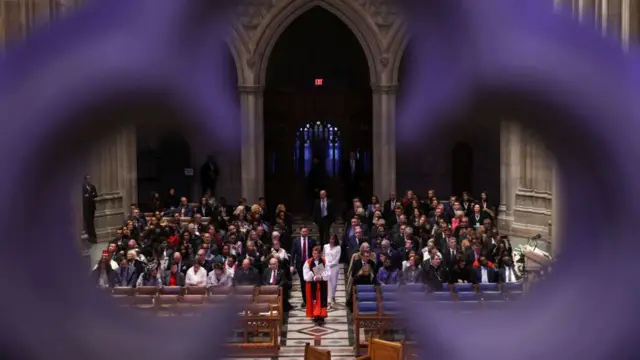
{"x":409,"y":240}
{"x":406,"y":240}
{"x":205,"y":245}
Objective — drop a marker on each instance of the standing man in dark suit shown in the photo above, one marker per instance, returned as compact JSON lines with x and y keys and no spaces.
{"x":352,"y":177}
{"x":389,"y":208}
{"x":300,"y":253}
{"x":323,"y":216}
{"x":89,"y":196}
{"x":449,"y":253}
{"x":316,"y":180}
{"x":209,"y":173}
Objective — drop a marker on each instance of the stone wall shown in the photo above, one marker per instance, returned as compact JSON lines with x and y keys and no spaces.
{"x":526,"y":182}
{"x":530,"y":179}
{"x":113,"y":164}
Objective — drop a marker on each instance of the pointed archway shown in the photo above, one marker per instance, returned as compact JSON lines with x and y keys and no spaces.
{"x":303,"y":119}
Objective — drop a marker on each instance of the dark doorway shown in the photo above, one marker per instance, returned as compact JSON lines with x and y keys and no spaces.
{"x":462,"y":169}
{"x":305,"y":120}
{"x":162,"y":161}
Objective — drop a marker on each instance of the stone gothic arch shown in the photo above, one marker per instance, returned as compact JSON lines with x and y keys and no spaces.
{"x":237,"y":55}
{"x":379,"y":27}
{"x":257,"y":26}
{"x":397,"y":49}
{"x":352,"y":17}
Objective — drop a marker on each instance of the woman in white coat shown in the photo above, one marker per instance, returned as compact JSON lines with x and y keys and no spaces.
{"x":332,"y":253}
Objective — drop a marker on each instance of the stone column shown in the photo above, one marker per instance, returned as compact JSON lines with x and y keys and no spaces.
{"x":510,"y":172}
{"x":556,"y":219}
{"x":252,"y":142}
{"x":384,"y":139}
{"x":113,"y":168}
{"x":629,"y":22}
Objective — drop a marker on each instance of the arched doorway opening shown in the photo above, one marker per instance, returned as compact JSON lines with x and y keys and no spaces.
{"x":164,"y":160}
{"x":317,"y":104}
{"x":464,"y":156}
{"x":222,"y":177}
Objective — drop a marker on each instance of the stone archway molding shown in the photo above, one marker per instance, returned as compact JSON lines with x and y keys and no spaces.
{"x":399,"y":45}
{"x":347,"y":11}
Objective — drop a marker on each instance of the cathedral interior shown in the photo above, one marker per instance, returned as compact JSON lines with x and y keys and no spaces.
{"x":321,"y":81}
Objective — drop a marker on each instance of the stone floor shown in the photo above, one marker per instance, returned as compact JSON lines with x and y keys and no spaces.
{"x":298,"y":330}
{"x":334,"y":335}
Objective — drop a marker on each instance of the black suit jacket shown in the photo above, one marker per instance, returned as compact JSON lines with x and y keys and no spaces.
{"x":209,"y":173}
{"x":482,"y":216}
{"x":251,"y":277}
{"x":502,"y":278}
{"x":387,"y":210}
{"x":281,"y":279}
{"x":317,"y":211}
{"x":492,"y":275}
{"x":447,"y":259}
{"x":205,"y":211}
{"x":357,"y":266}
{"x":295,"y":255}
{"x":350,"y":178}
{"x":89,"y":196}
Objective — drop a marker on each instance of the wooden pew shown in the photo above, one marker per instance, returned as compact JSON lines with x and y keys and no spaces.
{"x":262,"y":314}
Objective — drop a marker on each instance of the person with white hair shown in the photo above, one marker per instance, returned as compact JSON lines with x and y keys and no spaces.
{"x":276,"y":250}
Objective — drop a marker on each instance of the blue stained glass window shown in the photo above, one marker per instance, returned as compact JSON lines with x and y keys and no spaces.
{"x":321,"y":140}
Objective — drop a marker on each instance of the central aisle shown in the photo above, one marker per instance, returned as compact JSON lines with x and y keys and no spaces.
{"x":333,"y":335}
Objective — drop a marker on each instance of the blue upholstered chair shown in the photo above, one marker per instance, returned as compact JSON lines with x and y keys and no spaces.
{"x":391,"y":307}
{"x":415,"y":287}
{"x":440,"y":296}
{"x":488,"y":287}
{"x":463,"y":287}
{"x":511,"y":287}
{"x":389,"y":288}
{"x":492,"y":296}
{"x":367,"y":296}
{"x":365,"y":288}
{"x":367,"y":308}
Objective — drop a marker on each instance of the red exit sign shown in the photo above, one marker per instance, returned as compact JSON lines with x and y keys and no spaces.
{"x":319,"y":82}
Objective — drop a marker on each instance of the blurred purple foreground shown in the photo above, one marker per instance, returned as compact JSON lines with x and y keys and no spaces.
{"x":574,"y":88}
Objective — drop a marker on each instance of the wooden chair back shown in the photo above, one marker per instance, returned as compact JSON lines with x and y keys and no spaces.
{"x":269,"y":290}
{"x":385,"y":350}
{"x":193,"y":299}
{"x":313,"y":353}
{"x":268,"y":299}
{"x":257,"y":309}
{"x":146,"y":290}
{"x":123,"y":290}
{"x":220,"y":290}
{"x":216,"y":299}
{"x":245,"y":290}
{"x":166,"y":300}
{"x":171,"y":290}
{"x":196,"y":290}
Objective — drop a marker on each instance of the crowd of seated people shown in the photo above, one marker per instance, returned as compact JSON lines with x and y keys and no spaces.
{"x":409,"y":240}
{"x":205,"y":245}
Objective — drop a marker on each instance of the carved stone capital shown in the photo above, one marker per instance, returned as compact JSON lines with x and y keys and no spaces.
{"x":250,"y":88}
{"x":384,"y":88}
{"x":384,"y":61}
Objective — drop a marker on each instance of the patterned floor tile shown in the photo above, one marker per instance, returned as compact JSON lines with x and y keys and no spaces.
{"x":303,"y":327}
{"x":333,"y":335}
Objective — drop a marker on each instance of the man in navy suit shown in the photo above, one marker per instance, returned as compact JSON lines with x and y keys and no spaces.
{"x":184,"y":209}
{"x":300,"y":253}
{"x":485,"y":274}
{"x":124,"y":275}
